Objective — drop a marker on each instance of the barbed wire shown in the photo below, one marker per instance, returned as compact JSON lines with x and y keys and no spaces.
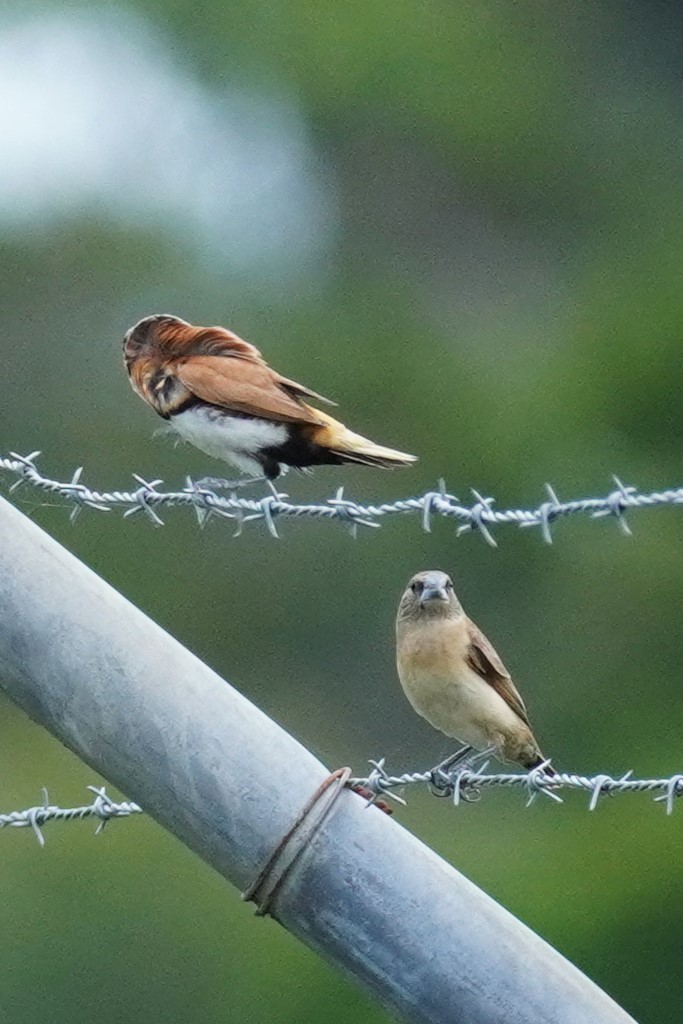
{"x":480,"y":516}
{"x":464,"y":785}
{"x":102,"y":807}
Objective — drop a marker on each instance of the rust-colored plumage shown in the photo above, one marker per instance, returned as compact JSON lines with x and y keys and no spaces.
{"x":219,"y":393}
{"x":453,"y":676}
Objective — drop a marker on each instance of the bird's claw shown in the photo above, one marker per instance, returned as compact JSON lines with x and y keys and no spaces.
{"x":216,"y":483}
{"x":440,"y":782}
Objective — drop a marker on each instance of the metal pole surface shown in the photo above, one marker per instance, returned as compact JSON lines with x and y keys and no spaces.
{"x":230,"y":783}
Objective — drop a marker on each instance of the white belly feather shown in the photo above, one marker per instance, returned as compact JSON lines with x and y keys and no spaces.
{"x":234,"y":439}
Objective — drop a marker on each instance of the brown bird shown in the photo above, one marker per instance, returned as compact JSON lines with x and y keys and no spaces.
{"x":219,"y":393}
{"x":453,"y":677}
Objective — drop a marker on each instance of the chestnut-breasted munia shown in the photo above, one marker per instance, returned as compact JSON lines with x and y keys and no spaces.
{"x":219,"y":393}
{"x":453,"y":677}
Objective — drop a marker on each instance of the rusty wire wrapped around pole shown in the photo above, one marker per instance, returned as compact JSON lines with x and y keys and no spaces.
{"x":261,"y":809}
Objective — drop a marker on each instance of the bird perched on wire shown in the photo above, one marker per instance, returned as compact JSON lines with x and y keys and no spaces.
{"x":218,"y":392}
{"x":453,"y":677}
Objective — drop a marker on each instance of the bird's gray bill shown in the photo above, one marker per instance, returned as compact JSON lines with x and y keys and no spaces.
{"x":433,"y":594}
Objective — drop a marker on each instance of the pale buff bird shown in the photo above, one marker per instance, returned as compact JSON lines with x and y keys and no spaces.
{"x":453,"y":677}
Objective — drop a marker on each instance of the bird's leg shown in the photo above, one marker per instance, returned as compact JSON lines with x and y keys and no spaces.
{"x":214,"y":483}
{"x":478,"y":755}
{"x":273,"y":489}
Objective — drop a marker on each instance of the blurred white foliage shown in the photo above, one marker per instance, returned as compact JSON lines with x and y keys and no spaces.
{"x":98,"y":115}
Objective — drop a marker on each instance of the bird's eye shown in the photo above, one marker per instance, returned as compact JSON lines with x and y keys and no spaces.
{"x":449,"y":585}
{"x":416,"y":587}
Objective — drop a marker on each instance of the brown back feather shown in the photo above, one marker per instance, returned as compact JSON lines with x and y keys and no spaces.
{"x":170,"y":361}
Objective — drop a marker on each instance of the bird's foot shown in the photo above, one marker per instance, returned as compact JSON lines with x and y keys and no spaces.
{"x":217,"y":483}
{"x":441,"y":781}
{"x":443,"y":776}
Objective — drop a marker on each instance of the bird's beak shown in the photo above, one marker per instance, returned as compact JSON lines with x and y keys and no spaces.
{"x":433,"y":594}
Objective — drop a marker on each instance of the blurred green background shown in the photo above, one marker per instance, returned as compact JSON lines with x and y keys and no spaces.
{"x":463,"y":222}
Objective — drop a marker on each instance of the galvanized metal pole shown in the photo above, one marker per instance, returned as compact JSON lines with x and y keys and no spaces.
{"x":231,"y":784}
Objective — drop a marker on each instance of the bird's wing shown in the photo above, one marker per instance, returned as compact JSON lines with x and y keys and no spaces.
{"x":244,"y":385}
{"x":299,"y":389}
{"x":482,"y":657}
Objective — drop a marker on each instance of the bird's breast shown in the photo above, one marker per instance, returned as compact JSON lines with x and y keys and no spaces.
{"x":431,"y":660}
{"x":434,"y":648}
{"x":444,"y":689}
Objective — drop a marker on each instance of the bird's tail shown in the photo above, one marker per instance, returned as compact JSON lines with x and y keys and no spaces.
{"x":350,"y":447}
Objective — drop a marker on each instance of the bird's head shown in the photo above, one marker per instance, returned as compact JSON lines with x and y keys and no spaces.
{"x":430,"y":594}
{"x":150,"y":336}
{"x":164,"y":336}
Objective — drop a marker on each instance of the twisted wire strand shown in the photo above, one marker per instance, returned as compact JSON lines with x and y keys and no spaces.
{"x":479,"y":516}
{"x":466,"y":784}
{"x":462,"y":786}
{"x":102,"y":807}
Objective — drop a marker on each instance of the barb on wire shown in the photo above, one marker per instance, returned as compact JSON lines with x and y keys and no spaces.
{"x":480,"y":516}
{"x":102,"y":808}
{"x":467,"y":784}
